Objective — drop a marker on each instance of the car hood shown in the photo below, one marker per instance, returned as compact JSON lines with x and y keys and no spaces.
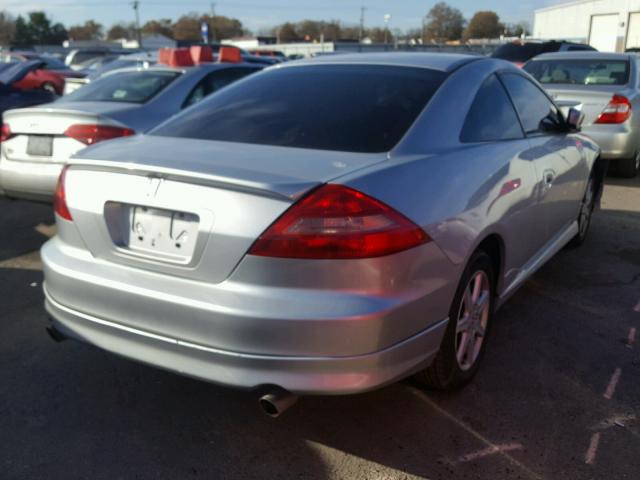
{"x":17,"y":71}
{"x":274,"y":170}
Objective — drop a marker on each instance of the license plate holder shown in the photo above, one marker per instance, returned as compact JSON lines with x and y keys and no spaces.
{"x":152,"y":233}
{"x":40,"y":145}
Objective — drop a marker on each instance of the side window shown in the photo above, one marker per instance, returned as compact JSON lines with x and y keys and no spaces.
{"x":537,"y":113}
{"x":214,"y":81}
{"x":491,"y":116}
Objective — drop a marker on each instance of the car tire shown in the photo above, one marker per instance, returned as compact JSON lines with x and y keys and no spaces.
{"x":628,"y":167}
{"x":586,"y":212}
{"x":465,"y":339}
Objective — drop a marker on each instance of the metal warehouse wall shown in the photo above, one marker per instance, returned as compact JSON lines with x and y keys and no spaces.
{"x":608,"y":24}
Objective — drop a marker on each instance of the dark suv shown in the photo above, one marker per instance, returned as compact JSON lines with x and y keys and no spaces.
{"x":521,"y":52}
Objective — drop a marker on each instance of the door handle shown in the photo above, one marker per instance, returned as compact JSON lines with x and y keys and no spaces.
{"x":548,"y":177}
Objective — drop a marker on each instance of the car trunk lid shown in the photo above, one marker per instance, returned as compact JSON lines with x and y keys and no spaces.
{"x":190,"y":207}
{"x":590,"y":100}
{"x":39,"y":132}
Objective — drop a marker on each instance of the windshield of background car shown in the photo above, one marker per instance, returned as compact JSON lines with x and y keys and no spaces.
{"x":515,"y":52}
{"x":353,"y":108}
{"x":134,"y":87}
{"x":580,"y":72}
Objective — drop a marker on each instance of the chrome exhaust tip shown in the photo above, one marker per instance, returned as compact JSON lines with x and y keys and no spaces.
{"x":277,"y":401}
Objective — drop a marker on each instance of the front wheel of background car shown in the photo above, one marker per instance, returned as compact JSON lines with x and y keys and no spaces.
{"x":586,"y":212}
{"x":628,"y":167}
{"x":465,"y":339}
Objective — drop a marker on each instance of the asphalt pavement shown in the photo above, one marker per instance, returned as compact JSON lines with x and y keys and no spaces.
{"x":557,"y":397}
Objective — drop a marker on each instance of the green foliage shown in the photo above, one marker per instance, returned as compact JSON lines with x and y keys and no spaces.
{"x":444,"y":23}
{"x":484,"y":24}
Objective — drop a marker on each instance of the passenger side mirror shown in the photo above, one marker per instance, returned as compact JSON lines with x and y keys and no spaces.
{"x":574,"y":119}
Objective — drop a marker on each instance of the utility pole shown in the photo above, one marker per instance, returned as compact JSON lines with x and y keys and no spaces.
{"x":361,"y":32}
{"x":214,"y":38}
{"x":387,"y":18}
{"x":424,"y":29}
{"x":135,"y":4}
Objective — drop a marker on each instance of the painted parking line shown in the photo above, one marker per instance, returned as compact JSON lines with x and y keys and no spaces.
{"x":46,"y":229}
{"x":28,"y":261}
{"x":613,"y":383}
{"x":485,"y":452}
{"x":489,"y":444}
{"x":631,"y":339}
{"x":592,"y":451}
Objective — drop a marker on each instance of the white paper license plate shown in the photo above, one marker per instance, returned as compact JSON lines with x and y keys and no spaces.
{"x":164,"y":233}
{"x":40,"y":145}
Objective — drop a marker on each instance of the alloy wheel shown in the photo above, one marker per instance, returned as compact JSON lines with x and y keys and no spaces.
{"x":473,"y":319}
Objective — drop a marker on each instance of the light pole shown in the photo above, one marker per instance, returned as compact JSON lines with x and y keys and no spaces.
{"x":361,"y":31}
{"x":386,"y":18}
{"x":135,"y":4}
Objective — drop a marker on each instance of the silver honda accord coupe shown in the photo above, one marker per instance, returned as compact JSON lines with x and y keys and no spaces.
{"x":322,"y":227}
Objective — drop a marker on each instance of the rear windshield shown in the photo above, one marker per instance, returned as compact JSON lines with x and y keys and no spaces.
{"x":363,"y":108}
{"x":135,"y":87}
{"x":515,"y":52}
{"x":580,"y":72}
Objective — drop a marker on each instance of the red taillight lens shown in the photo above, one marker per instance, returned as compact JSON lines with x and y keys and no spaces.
{"x":617,"y":111}
{"x":337,"y":222}
{"x":90,"y":134}
{"x":5,"y":133}
{"x":60,"y":197}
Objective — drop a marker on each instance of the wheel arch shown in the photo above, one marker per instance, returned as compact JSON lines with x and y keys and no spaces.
{"x":493,"y":245}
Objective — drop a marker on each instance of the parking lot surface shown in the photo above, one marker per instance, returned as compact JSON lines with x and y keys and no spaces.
{"x":557,"y":396}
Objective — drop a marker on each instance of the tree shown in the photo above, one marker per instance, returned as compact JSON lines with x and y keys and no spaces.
{"x":484,"y":24}
{"x":349,"y":33}
{"x":224,"y":27}
{"x":42,"y":32}
{"x":444,"y":23}
{"x":187,"y":28}
{"x":377,"y":35}
{"x":286,"y":33}
{"x":122,"y":30}
{"x":158,"y":27}
{"x":518,"y":29}
{"x":89,"y":31}
{"x":7,"y":28}
{"x":22,"y":36}
{"x":220,"y":27}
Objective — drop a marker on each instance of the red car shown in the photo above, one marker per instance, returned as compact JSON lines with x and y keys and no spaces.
{"x":50,"y":77}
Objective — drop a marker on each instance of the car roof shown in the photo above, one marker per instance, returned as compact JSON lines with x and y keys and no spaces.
{"x":584,"y":55}
{"x":445,"y":62}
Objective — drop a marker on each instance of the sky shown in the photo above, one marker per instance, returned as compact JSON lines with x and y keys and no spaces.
{"x":257,"y":15}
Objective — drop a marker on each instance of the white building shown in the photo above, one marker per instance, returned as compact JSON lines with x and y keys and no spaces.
{"x":607,"y":25}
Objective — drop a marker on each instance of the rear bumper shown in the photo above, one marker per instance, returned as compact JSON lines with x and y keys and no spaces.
{"x":29,"y":180}
{"x":298,"y":374}
{"x":615,"y":141}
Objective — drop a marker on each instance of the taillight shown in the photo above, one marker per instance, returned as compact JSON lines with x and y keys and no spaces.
{"x":60,"y":197}
{"x":5,"y":133}
{"x":337,"y":222}
{"x":90,"y":134}
{"x":617,"y":111}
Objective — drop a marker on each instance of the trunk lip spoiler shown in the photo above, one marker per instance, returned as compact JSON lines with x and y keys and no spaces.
{"x":287,"y":191}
